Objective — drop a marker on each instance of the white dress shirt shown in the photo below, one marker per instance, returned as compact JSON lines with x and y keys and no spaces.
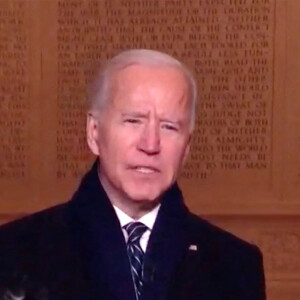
{"x":148,"y":220}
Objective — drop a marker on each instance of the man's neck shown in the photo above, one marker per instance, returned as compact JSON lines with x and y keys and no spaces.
{"x":135,"y":210}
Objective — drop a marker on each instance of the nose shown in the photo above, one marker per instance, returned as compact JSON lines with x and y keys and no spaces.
{"x":149,"y":141}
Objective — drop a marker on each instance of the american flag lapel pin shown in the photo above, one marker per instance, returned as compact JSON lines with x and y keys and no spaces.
{"x":193,"y":247}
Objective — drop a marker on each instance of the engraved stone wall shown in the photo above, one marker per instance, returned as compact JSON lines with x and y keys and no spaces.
{"x":14,"y":92}
{"x":229,"y":45}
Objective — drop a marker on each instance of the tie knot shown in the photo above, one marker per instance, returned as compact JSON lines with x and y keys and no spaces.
{"x":135,"y":230}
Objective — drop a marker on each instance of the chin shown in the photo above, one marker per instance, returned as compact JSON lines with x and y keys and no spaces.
{"x":143,"y":198}
{"x":141,"y":195}
{"x":146,"y":190}
{"x":145,"y":194}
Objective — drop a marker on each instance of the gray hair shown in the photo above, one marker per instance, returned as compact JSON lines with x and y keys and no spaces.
{"x":99,"y":91}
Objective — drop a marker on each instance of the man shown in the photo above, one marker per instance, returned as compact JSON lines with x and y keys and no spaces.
{"x":127,"y":234}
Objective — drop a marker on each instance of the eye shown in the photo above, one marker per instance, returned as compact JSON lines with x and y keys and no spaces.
{"x":169,"y":126}
{"x":132,"y":120}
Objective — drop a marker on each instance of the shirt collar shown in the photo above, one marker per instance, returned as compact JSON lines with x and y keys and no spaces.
{"x":148,"y":219}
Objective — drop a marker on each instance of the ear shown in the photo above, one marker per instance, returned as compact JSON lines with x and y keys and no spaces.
{"x":92,"y":133}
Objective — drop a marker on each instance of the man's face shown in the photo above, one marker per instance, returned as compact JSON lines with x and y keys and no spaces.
{"x":142,"y":135}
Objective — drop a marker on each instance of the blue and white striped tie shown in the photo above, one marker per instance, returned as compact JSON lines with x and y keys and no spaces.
{"x":135,"y":253}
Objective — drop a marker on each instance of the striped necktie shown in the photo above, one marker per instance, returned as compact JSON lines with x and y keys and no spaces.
{"x":135,"y":253}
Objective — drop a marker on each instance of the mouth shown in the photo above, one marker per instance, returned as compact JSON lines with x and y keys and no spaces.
{"x":145,"y":169}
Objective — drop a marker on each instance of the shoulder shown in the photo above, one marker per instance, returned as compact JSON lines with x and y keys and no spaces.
{"x":34,"y":243}
{"x":27,"y":229}
{"x":34,"y":248}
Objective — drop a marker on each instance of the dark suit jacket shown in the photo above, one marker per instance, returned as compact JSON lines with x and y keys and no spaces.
{"x":77,"y":251}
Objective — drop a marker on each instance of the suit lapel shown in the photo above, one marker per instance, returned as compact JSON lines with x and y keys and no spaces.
{"x":167,"y":246}
{"x":97,"y":233}
{"x":179,"y":264}
{"x":198,"y":273}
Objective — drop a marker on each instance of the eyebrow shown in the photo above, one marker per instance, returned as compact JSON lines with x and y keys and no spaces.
{"x":170,"y":121}
{"x":134,"y":114}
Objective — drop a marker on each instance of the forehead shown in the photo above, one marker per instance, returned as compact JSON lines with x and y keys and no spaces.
{"x":140,"y":84}
{"x":145,"y":71}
